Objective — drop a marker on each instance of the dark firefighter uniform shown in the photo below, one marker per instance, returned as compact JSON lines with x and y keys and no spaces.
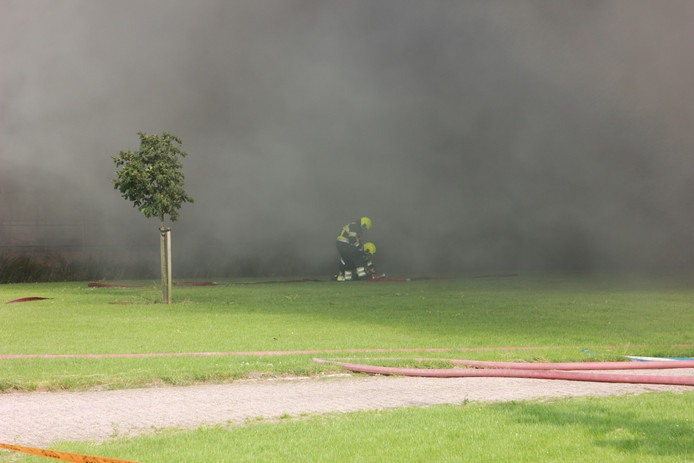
{"x":350,"y":247}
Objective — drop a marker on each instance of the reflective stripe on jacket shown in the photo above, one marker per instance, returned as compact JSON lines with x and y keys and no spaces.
{"x":351,"y":234}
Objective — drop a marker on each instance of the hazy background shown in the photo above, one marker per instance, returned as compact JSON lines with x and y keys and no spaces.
{"x":478,"y":135}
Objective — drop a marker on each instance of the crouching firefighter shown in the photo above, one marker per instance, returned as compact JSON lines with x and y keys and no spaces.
{"x":365,"y":269}
{"x":367,"y":256}
{"x":349,"y":245}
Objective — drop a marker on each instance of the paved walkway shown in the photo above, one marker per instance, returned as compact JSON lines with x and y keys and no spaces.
{"x":39,"y":419}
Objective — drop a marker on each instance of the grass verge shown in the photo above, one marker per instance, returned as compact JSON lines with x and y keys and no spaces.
{"x":564,"y":314}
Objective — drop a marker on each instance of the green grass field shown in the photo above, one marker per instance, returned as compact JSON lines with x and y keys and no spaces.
{"x":559,"y":316}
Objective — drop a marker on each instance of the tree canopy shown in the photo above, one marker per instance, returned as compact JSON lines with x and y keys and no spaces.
{"x":151,"y":178}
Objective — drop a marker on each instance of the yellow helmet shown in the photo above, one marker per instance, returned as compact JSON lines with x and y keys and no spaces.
{"x":370,"y":248}
{"x":366,"y":223}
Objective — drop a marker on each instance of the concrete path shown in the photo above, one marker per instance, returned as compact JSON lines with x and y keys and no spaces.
{"x":41,"y":418}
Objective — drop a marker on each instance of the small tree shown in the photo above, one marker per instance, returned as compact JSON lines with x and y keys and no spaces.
{"x":151,"y":178}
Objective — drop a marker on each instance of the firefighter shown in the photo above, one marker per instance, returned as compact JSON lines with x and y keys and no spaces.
{"x":351,"y":250}
{"x":369,"y":251}
{"x":367,"y":262}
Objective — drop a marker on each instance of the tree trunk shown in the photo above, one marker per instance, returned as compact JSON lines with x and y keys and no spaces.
{"x":165,"y":263}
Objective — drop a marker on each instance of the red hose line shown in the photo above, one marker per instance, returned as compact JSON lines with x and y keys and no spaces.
{"x":26,"y":299}
{"x":247,"y":283}
{"x":511,"y":373}
{"x":196,"y":283}
{"x":116,"y":285}
{"x":652,"y":365}
{"x":122,"y":285}
{"x":322,"y":351}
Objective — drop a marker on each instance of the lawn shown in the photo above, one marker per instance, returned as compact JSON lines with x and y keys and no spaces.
{"x":551,"y":318}
{"x":561,"y":316}
{"x":644,"y":428}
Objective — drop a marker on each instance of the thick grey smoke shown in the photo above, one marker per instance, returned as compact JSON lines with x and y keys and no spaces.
{"x":477,"y":135}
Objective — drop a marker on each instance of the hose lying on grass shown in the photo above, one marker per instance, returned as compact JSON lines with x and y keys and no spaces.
{"x":246,"y":283}
{"x":501,"y":369}
{"x":123,"y":285}
{"x":654,"y":365}
{"x":27,"y":299}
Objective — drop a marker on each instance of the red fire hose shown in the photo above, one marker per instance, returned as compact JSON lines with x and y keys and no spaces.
{"x":26,"y":299}
{"x":653,"y":365}
{"x":520,"y":373}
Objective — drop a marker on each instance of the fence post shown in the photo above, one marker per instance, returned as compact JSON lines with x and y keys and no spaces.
{"x":166,"y":264}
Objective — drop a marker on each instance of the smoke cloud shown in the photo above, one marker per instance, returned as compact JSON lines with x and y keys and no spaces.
{"x":478,"y":136}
